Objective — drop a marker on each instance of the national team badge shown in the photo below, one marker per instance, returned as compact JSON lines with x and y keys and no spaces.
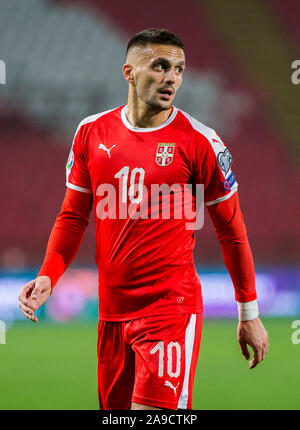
{"x":165,"y":153}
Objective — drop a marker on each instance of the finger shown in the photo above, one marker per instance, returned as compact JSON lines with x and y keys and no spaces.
{"x":33,"y":304}
{"x":265,"y":350}
{"x":253,"y":363}
{"x":26,"y":309}
{"x":267,"y":346}
{"x":25,"y":290}
{"x":28,"y":303}
{"x":38,"y":291}
{"x":30,"y":317}
{"x":256,"y":359}
{"x":28,"y":312}
{"x":244,"y":349}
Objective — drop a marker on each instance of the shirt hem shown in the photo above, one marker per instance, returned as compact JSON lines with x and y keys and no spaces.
{"x":170,"y":311}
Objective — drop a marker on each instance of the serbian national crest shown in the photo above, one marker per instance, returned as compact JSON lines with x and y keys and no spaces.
{"x":165,"y":153}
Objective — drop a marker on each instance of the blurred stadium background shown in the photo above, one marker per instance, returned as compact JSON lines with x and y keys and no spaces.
{"x":63,"y":62}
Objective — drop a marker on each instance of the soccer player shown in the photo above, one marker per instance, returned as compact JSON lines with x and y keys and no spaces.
{"x":150,"y":303}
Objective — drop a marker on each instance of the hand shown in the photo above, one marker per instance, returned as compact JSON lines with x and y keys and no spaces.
{"x":33,"y":295}
{"x":253,"y":333}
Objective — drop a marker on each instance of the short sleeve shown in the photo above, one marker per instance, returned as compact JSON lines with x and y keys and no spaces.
{"x":77,"y":174}
{"x":214,"y":169}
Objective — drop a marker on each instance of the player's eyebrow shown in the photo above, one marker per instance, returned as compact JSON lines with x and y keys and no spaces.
{"x":166,"y":61}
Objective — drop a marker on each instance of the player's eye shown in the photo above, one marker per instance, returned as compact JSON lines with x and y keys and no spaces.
{"x":179,"y":69}
{"x":159,"y":67}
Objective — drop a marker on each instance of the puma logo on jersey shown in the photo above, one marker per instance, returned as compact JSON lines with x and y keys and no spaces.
{"x":169,"y":384}
{"x":101,"y":146}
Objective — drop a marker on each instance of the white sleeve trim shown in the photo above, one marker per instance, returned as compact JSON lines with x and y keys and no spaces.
{"x":248,"y":311}
{"x":75,"y":187}
{"x":92,"y":118}
{"x":221,"y":199}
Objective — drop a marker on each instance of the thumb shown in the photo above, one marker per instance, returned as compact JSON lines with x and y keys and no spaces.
{"x":244,"y":349}
{"x":38,"y":288}
{"x":36,"y":292}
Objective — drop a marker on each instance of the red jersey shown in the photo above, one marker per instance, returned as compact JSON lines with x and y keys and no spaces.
{"x":146,"y":265}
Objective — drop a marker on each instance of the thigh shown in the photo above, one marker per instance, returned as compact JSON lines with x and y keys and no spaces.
{"x":166,"y":352}
{"x":115,"y":367}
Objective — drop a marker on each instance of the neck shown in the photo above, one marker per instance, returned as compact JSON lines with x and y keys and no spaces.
{"x":140,"y":115}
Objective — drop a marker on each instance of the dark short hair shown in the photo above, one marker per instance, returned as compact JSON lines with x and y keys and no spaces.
{"x":158,"y":36}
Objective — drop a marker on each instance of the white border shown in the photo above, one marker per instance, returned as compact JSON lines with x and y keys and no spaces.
{"x":86,"y":120}
{"x":75,"y":187}
{"x":147,"y":129}
{"x":221,"y":199}
{"x":189,"y":346}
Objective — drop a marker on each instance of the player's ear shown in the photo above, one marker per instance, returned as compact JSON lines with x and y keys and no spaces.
{"x":128,"y":73}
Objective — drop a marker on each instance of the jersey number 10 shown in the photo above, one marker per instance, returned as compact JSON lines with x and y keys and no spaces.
{"x":133,"y":188}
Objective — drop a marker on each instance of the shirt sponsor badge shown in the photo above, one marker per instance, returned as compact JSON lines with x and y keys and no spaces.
{"x":165,"y":153}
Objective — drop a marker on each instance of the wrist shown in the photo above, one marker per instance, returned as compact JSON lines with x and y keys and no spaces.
{"x":43,"y":278}
{"x":248,"y":310}
{"x":53,"y":267}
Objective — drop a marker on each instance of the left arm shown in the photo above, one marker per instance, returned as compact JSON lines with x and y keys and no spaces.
{"x":231,"y":233}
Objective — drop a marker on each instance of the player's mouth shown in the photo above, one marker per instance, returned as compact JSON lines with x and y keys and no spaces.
{"x":166,"y":93}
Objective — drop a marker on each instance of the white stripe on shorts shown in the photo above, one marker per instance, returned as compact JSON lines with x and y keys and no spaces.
{"x":189,"y":346}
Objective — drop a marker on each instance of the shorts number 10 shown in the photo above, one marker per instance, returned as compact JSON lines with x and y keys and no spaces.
{"x":160,"y":347}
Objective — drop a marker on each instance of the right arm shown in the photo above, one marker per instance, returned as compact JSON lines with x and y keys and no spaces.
{"x":63,"y":244}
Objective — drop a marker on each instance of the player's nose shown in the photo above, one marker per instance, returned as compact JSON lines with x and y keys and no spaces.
{"x":170,"y":76}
